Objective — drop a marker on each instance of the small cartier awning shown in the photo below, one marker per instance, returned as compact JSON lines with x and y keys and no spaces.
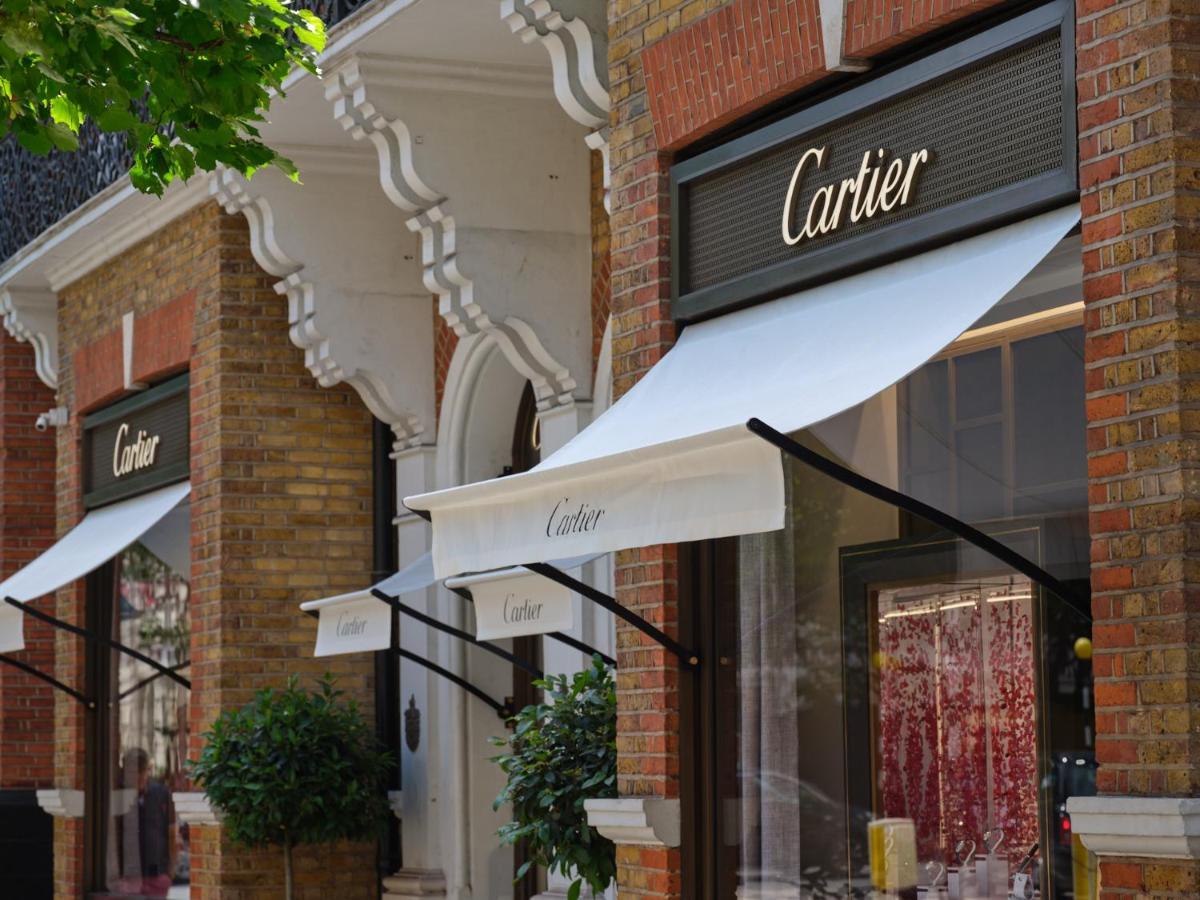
{"x":361,"y":620}
{"x":674,"y":460}
{"x":99,"y":536}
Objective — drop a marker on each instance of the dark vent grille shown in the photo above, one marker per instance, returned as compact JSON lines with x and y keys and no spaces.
{"x":993,"y":125}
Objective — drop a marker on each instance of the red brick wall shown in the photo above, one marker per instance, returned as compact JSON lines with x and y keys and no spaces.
{"x":728,"y":64}
{"x":445,"y":341}
{"x":26,"y":529}
{"x":1140,"y":166}
{"x":874,"y":26}
{"x":601,"y":263}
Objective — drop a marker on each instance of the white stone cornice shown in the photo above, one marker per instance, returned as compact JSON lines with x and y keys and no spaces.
{"x":575,"y":34}
{"x":350,"y":88}
{"x":32,"y":315}
{"x":649,"y":821}
{"x":1142,"y":827}
{"x":62,"y":803}
{"x":194,"y":808}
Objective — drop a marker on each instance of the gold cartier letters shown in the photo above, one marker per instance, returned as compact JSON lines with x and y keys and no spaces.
{"x":879,"y":186}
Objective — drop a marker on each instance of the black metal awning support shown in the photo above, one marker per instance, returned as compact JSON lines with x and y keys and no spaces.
{"x":405,"y":609}
{"x":566,"y":639}
{"x":108,"y":641}
{"x":968,"y":533}
{"x":503,"y":710}
{"x":687,"y":657}
{"x":48,"y":679}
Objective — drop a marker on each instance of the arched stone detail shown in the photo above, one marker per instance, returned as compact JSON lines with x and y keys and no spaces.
{"x":32,"y":315}
{"x":331,"y":357}
{"x":431,"y":218}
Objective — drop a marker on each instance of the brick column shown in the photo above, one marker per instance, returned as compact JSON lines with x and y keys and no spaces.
{"x":1139,"y":142}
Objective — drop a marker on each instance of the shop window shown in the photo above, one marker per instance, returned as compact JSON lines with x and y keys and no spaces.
{"x":889,"y":708}
{"x":143,"y":850}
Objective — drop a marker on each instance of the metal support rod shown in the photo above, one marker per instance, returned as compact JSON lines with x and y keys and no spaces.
{"x":686,"y":656}
{"x":503,"y":710}
{"x":395,"y":603}
{"x":49,"y":679}
{"x":556,"y":635}
{"x":968,"y":533}
{"x":149,"y":678}
{"x":111,"y":642}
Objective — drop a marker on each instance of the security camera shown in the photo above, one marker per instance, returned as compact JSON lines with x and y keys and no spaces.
{"x":56,"y":417}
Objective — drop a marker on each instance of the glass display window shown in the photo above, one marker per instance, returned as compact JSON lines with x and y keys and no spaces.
{"x":145,"y":849}
{"x":892,"y":711}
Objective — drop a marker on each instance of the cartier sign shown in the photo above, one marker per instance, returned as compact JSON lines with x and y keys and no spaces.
{"x":932,"y":151}
{"x":516,"y":602}
{"x":137,"y":444}
{"x":884,"y":182}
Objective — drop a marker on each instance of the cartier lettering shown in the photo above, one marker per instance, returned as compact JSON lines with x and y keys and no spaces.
{"x":350,"y":625}
{"x":520,"y":610}
{"x":566,"y":519}
{"x":883,"y":183}
{"x":131,"y":456}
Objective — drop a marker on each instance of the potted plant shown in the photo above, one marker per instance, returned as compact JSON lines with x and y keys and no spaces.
{"x":561,"y":753}
{"x":294,"y":767}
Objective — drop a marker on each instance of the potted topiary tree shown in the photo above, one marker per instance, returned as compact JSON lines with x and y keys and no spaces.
{"x":294,"y":767}
{"x":561,"y":753}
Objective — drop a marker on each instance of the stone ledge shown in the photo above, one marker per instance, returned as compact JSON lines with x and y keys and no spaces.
{"x":193,"y":808}
{"x":649,"y":821}
{"x":414,"y":883}
{"x":62,"y":803}
{"x":1154,"y":827}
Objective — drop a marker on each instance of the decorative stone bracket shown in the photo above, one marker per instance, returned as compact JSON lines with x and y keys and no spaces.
{"x":32,"y":315}
{"x":1154,"y":827}
{"x":575,"y":35}
{"x":356,"y":305}
{"x":833,"y":38}
{"x":649,"y":821}
{"x":502,"y":243}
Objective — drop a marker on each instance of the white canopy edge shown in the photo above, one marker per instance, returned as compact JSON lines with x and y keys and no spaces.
{"x":564,"y":565}
{"x":100,"y":535}
{"x":672,"y":461}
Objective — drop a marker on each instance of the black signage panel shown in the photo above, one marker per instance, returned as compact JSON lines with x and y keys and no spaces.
{"x":967,"y":138}
{"x":137,"y":444}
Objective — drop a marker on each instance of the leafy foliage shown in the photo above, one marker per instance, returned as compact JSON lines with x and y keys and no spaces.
{"x":294,"y":767}
{"x":561,"y":753}
{"x":186,"y":80}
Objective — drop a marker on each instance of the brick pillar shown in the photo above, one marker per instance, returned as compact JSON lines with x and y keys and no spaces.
{"x":26,"y":529}
{"x":648,"y":702}
{"x":1139,"y":140}
{"x":281,"y":513}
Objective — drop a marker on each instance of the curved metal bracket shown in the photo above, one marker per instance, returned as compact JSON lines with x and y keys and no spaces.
{"x":503,"y":710}
{"x":149,"y":678}
{"x":687,"y":657}
{"x":49,"y":679}
{"x":968,"y":533}
{"x":110,"y":642}
{"x":404,"y":609}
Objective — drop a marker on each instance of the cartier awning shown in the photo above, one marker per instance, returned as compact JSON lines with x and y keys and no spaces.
{"x":361,"y":620}
{"x":673,"y":460}
{"x":99,"y":536}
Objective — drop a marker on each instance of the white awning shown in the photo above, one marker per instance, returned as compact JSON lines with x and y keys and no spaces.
{"x":358,"y":621}
{"x":99,"y":536}
{"x":672,"y":460}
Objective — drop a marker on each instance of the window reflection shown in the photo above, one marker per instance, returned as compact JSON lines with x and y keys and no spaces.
{"x":147,"y":853}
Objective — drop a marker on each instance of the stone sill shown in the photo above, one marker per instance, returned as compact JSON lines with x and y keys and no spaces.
{"x":1146,"y":827}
